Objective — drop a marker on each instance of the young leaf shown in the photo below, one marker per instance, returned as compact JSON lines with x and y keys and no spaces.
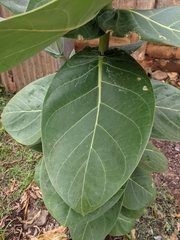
{"x":97,"y":118}
{"x":56,"y":49}
{"x":26,"y":34}
{"x":59,"y":209}
{"x":98,"y":228}
{"x":15,"y":6}
{"x":22,"y":115}
{"x":151,"y":25}
{"x":140,"y":190}
{"x":167,"y":114}
{"x":153,"y":160}
{"x":122,"y":226}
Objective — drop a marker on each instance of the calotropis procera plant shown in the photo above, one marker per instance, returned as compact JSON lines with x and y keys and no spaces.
{"x":93,"y":118}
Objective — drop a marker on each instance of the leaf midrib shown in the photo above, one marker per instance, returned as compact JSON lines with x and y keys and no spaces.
{"x":100,"y":62}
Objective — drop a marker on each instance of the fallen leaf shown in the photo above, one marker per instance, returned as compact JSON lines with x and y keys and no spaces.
{"x":14,"y":181}
{"x":175,"y":215}
{"x":56,"y":234}
{"x":29,"y":221}
{"x":2,"y":222}
{"x":32,"y":194}
{"x":173,"y":236}
{"x":133,"y":233}
{"x":178,"y":226}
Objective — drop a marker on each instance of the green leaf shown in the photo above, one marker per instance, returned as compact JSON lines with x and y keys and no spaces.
{"x":22,"y":115}
{"x":98,"y":228}
{"x":132,"y":213}
{"x":153,"y":160}
{"x":123,"y":226}
{"x":56,"y":49}
{"x":60,"y":210}
{"x":97,"y":118}
{"x":167,"y":114}
{"x":33,"y":4}
{"x":24,"y":35}
{"x":151,"y":25}
{"x":140,"y":190}
{"x":90,"y":30}
{"x":15,"y":6}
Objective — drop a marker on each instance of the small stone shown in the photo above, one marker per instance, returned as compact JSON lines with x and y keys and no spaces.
{"x":159,"y":75}
{"x":158,"y":238}
{"x":173,"y":83}
{"x":177,"y":148}
{"x":173,"y":76}
{"x":41,"y":220}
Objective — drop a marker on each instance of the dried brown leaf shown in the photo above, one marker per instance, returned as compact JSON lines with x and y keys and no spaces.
{"x":173,"y":236}
{"x":2,"y":222}
{"x":56,"y":234}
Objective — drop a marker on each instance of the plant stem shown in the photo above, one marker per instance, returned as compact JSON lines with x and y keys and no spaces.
{"x":104,"y":43}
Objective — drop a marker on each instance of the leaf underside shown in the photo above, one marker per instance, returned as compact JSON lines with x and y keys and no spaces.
{"x":140,"y":191}
{"x":153,"y":160}
{"x":97,"y":118}
{"x":26,"y":34}
{"x":151,"y":25}
{"x":167,"y":112}
{"x":22,"y":115}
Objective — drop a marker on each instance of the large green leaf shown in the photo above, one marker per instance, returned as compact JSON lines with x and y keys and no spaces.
{"x":15,"y":6}
{"x":140,"y":191}
{"x":98,"y":228}
{"x":153,"y":160}
{"x":97,"y":118}
{"x":22,"y":115}
{"x":24,"y":35}
{"x":123,"y":225}
{"x":167,"y":114}
{"x":59,"y":209}
{"x":159,"y":25}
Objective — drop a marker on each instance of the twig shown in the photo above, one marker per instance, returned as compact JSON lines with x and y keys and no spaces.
{"x":9,"y":163}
